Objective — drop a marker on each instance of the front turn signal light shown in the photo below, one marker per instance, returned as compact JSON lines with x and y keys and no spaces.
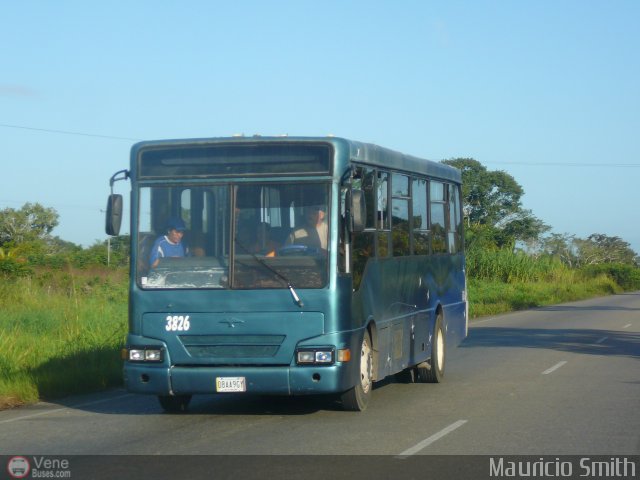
{"x":344,"y":355}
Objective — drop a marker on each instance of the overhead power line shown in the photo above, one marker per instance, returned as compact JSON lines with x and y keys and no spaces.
{"x":65,"y":132}
{"x":567,"y":164}
{"x":532,"y":164}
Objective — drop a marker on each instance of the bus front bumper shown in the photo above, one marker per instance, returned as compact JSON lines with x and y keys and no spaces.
{"x":284,"y":380}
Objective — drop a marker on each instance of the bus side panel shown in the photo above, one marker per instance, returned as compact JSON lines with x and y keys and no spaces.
{"x":420,"y":348}
{"x":401,"y":295}
{"x":454,"y":300}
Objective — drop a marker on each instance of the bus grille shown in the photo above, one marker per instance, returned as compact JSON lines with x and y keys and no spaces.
{"x":232,"y":346}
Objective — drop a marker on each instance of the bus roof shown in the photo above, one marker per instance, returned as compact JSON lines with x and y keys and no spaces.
{"x":375,"y":155}
{"x":366,"y":153}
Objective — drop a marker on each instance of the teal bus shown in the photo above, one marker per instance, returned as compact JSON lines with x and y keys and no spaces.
{"x":288,"y":266}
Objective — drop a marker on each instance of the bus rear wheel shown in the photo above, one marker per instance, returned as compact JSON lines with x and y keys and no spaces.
{"x":174,"y":403}
{"x":357,"y":398}
{"x":433,"y":370}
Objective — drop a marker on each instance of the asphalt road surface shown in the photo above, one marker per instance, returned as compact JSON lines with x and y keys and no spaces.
{"x":559,"y":380}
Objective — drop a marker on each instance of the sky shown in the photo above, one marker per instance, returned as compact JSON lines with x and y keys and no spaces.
{"x":547,"y":91}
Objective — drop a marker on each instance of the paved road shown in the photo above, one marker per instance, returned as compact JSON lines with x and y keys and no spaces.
{"x":558,"y":380}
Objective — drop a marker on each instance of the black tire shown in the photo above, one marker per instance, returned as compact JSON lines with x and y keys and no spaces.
{"x":357,"y":398}
{"x":432,"y":371}
{"x":174,"y":403}
{"x":408,"y":375}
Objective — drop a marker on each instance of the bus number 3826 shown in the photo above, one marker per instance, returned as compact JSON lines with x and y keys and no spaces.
{"x":177,"y":323}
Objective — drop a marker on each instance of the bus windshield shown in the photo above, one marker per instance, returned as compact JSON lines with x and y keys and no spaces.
{"x":233,"y":236}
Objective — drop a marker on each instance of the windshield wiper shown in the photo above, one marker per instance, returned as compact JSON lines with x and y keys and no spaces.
{"x":295,"y":296}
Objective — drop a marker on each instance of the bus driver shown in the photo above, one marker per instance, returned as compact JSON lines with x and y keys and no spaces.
{"x":315,"y":231}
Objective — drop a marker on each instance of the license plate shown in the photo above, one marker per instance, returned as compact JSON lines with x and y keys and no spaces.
{"x":231,"y":384}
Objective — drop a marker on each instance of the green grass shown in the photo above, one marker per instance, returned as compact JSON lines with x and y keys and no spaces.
{"x":491,"y":297}
{"x":509,"y":267}
{"x":503,"y":281}
{"x":60,"y":333}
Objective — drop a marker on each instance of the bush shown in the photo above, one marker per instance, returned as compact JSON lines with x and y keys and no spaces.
{"x":11,"y":268}
{"x":626,"y":276}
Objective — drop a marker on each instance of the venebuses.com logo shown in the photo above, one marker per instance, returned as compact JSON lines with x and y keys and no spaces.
{"x":18,"y":467}
{"x":38,"y":467}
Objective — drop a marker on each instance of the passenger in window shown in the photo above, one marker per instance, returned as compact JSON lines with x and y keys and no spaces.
{"x":169,"y":245}
{"x":315,"y":232}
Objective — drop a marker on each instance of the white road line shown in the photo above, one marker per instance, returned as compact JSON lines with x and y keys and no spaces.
{"x":601,"y":340}
{"x":554,"y":368}
{"x":81,"y":405}
{"x":627,"y":325}
{"x":472,"y":323}
{"x":428,"y":441}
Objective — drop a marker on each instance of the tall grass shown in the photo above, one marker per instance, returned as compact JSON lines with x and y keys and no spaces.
{"x":60,"y":333}
{"x":503,"y":281}
{"x":507,"y":266}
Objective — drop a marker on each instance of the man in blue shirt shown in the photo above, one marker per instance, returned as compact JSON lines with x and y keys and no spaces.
{"x":169,"y":245}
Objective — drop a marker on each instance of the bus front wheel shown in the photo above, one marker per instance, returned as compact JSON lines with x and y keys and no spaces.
{"x":433,"y":370}
{"x":174,"y":403}
{"x":357,"y":398}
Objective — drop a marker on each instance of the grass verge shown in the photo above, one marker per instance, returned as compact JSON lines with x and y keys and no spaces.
{"x":492,"y":297}
{"x":60,"y":333}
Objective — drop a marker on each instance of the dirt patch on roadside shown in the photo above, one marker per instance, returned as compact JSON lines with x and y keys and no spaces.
{"x":9,"y":402}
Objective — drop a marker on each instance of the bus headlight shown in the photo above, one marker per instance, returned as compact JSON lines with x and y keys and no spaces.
{"x":143,"y":354}
{"x":315,"y":356}
{"x":153,"y":355}
{"x":136,"y":355}
{"x":324,"y":357}
{"x":306,"y":357}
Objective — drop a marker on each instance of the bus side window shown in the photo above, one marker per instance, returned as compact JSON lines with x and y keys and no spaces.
{"x":363,"y":249}
{"x":383,"y":225}
{"x":453,"y":226}
{"x":419,"y":221}
{"x":400,"y":215}
{"x":363,"y":244}
{"x":459,"y":218}
{"x":438,"y":218}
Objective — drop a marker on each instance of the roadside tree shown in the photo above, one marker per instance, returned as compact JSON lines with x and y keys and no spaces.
{"x":493,"y":210}
{"x":32,"y":222}
{"x":600,"y":248}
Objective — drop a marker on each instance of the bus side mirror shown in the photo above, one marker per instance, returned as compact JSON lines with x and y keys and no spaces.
{"x":114,"y":214}
{"x":358,"y":211}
